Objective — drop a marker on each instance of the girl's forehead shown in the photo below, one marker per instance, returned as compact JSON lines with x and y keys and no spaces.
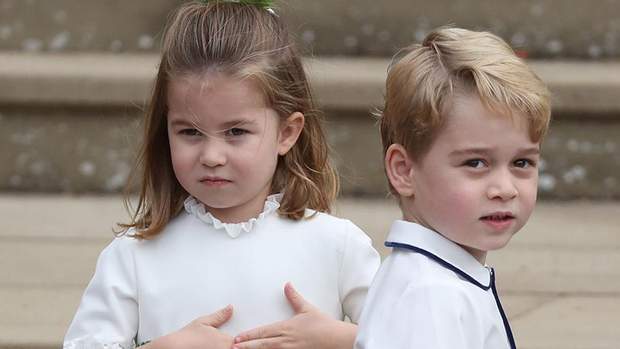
{"x":220,"y":85}
{"x":216,"y":102}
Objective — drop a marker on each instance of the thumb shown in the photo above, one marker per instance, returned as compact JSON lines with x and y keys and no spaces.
{"x":218,"y":318}
{"x":299,"y":304}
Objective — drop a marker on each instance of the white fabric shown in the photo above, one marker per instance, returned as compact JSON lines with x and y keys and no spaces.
{"x":416,"y":302}
{"x":146,"y":289}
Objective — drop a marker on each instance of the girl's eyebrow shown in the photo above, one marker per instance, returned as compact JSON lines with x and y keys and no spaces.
{"x":235,"y":123}
{"x":225,"y":126}
{"x":181,"y":122}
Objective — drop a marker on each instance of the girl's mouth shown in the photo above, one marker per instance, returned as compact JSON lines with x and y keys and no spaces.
{"x":214,"y":181}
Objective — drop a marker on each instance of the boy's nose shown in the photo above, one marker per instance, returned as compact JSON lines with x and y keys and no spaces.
{"x":502,"y":187}
{"x":212,"y":154}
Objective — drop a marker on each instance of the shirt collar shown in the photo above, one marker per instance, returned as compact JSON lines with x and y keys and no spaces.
{"x":434,"y":245}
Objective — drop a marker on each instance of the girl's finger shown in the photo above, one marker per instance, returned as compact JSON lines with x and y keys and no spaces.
{"x":297,"y":302}
{"x":268,"y":331}
{"x":261,"y":343}
{"x":218,"y":318}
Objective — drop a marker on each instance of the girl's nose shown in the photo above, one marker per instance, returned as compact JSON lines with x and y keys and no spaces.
{"x":502,"y":187}
{"x":213,"y":154}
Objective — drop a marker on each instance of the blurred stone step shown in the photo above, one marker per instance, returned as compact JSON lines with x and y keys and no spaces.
{"x":69,"y":122}
{"x":541,"y":29}
{"x":341,"y":83}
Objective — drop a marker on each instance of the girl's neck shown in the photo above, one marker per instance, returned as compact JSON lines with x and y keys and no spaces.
{"x":243,"y":212}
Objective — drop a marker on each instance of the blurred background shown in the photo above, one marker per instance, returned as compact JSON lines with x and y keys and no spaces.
{"x":75,"y":78}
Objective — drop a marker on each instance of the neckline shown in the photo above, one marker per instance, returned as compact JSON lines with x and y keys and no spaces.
{"x":197,"y":209}
{"x":420,"y":239}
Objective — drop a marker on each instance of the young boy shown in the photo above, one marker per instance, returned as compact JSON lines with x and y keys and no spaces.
{"x":461,"y":129}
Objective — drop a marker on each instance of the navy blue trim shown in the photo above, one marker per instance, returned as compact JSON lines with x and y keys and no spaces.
{"x":466,"y":276}
{"x":511,"y":339}
{"x":440,"y":261}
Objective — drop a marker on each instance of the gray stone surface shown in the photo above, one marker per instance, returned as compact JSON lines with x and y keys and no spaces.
{"x":67,"y":148}
{"x":64,"y":25}
{"x":92,"y":150}
{"x":538,"y":28}
{"x":558,"y":277}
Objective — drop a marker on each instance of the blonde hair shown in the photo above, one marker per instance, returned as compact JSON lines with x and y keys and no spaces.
{"x":243,"y":41}
{"x":423,"y":79}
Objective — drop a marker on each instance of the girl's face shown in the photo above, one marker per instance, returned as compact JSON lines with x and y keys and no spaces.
{"x":224,"y":143}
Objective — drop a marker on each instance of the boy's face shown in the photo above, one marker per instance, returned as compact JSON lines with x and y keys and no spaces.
{"x":477,"y":183}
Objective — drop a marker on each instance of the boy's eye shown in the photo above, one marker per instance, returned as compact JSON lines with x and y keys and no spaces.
{"x":524,"y":163}
{"x":236,"y":132}
{"x":474,"y":163}
{"x":189,"y":132}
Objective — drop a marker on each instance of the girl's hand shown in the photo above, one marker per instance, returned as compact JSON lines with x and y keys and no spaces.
{"x":201,"y":333}
{"x":308,"y":329}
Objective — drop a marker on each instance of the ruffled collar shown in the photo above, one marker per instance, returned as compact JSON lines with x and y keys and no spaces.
{"x":198,"y":209}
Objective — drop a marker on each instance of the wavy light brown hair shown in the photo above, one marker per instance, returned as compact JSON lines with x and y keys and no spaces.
{"x":423,"y":79}
{"x":242,"y":41}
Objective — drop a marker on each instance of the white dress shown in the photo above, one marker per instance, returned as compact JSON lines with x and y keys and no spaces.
{"x":143,"y":289}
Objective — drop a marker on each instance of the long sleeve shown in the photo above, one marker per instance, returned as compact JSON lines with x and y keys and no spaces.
{"x":107,"y":316}
{"x":360,"y":262}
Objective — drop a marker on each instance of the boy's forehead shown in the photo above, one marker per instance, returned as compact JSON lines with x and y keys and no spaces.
{"x":465,"y":107}
{"x":471,"y":126}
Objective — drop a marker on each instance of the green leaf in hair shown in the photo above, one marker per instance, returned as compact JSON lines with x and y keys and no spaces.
{"x":266,"y":4}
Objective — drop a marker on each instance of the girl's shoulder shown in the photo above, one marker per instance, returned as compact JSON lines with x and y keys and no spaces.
{"x":327,"y":220}
{"x":123,"y":243}
{"x":328,"y":225}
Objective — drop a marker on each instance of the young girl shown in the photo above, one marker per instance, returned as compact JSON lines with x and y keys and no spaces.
{"x":235,"y":184}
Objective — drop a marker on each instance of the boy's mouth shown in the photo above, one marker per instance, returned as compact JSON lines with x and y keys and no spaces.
{"x":498,"y":217}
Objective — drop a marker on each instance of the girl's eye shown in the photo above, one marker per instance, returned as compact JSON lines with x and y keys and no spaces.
{"x":524,"y":163}
{"x":474,"y":163}
{"x":189,"y":132}
{"x":236,"y":132}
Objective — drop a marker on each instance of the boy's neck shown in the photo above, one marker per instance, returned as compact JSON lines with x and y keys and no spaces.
{"x":479,"y":255}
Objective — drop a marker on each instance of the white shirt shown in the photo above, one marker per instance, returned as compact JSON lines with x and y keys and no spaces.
{"x":431,"y":293}
{"x":149,"y":288}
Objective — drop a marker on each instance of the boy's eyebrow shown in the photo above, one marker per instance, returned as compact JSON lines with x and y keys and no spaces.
{"x":529,"y":151}
{"x":469,"y":151}
{"x":485,"y":151}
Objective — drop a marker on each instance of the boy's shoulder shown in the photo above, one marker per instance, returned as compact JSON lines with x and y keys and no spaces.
{"x":417,"y":271}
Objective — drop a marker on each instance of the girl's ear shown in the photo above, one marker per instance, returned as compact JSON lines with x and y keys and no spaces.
{"x":290,"y":129}
{"x":399,"y":170}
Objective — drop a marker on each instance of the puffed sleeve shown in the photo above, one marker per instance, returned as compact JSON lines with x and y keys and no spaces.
{"x":435,"y":316}
{"x":107,"y":316}
{"x":360,"y":262}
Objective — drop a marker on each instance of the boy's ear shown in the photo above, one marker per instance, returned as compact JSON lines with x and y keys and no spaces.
{"x":399,"y":170}
{"x":290,"y":129}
